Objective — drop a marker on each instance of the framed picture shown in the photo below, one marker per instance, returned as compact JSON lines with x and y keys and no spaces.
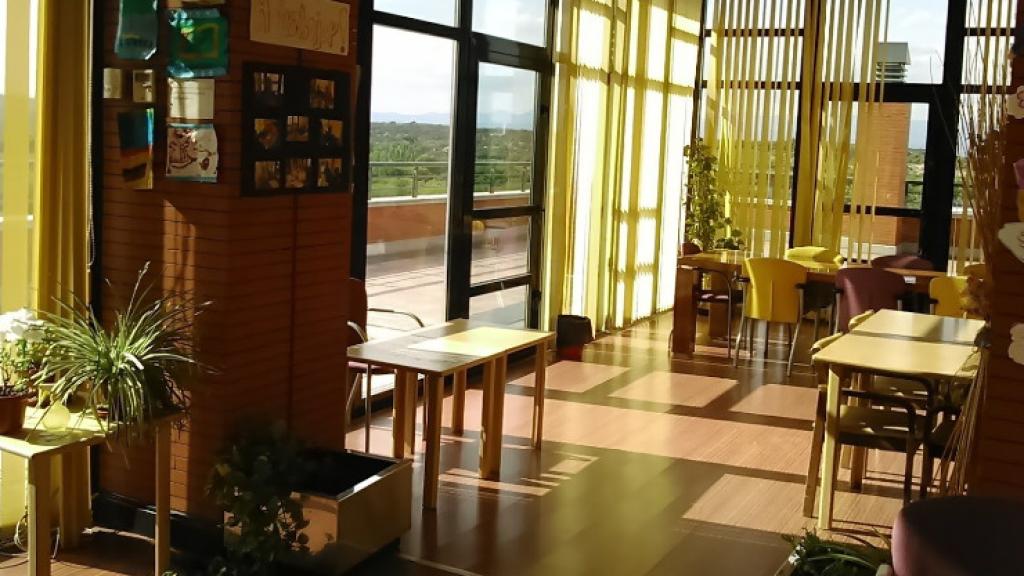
{"x":297,"y":135}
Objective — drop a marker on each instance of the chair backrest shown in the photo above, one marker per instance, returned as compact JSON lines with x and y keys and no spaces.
{"x":864,"y":289}
{"x":947,"y":293}
{"x":357,"y":306}
{"x":817,"y":254}
{"x":905,"y":261}
{"x":690,"y":248}
{"x":774,"y":294}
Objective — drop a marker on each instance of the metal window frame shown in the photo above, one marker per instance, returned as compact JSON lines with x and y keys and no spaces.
{"x":472,"y":49}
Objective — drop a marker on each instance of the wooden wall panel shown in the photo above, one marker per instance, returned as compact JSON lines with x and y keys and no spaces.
{"x":1000,"y":465}
{"x":275,"y":269}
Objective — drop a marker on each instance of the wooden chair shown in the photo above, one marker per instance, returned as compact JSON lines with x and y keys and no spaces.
{"x":900,"y":428}
{"x":774,"y":294}
{"x":358,"y":312}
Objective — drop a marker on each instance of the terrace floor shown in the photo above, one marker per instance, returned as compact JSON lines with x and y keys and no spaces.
{"x":651,"y":466}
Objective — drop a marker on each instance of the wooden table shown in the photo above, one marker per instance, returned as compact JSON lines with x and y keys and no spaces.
{"x":730,"y":262}
{"x":452,"y":349}
{"x":923,"y":327}
{"x":39,"y":447}
{"x":878,"y":354}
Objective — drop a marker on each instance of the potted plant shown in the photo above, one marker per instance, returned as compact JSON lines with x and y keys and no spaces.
{"x":131,"y":373}
{"x":813,"y":556}
{"x":22,"y":337}
{"x":293,"y":509}
{"x":707,"y":224}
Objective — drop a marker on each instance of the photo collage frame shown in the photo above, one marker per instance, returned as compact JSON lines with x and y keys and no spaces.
{"x":295,"y":131}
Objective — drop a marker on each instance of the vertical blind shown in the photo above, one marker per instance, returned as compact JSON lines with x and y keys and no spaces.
{"x":625,"y":71}
{"x":753,"y":92}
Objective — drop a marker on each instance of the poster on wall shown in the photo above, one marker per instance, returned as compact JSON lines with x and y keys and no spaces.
{"x":190,"y":99}
{"x":320,"y":25}
{"x":198,"y":43}
{"x":137,"y":30}
{"x":295,"y":130}
{"x":192,"y":152}
{"x":135,"y":136}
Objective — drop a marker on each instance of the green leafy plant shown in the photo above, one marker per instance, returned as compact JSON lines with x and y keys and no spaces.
{"x":813,"y":556}
{"x":706,"y":222}
{"x":137,"y":370}
{"x":252,"y":482}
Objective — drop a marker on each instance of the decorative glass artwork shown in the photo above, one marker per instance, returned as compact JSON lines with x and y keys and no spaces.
{"x":135,"y":135}
{"x":295,"y":130}
{"x":198,"y":43}
{"x":137,"y":30}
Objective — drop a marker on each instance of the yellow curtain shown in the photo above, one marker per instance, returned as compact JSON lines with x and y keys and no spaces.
{"x":625,"y":71}
{"x":45,"y":182}
{"x":753,"y":97}
{"x":63,"y":168}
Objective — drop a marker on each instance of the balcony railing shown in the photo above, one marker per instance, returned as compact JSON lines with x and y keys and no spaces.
{"x":420,"y":179}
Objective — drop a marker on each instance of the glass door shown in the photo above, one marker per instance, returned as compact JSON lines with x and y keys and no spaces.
{"x":504,"y":204}
{"x":409,"y":185}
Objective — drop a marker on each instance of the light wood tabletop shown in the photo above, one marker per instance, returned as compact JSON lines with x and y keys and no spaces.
{"x":452,"y":349}
{"x":39,"y":447}
{"x":879,"y":354}
{"x":923,"y":327}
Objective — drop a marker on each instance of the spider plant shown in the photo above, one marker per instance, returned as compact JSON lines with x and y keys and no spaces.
{"x":813,"y":556}
{"x":131,"y":373}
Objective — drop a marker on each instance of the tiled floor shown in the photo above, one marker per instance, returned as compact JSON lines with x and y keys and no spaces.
{"x":651,"y":466}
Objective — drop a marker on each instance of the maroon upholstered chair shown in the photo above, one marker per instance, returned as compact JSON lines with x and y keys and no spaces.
{"x":959,"y":536}
{"x":906,"y":261}
{"x":863,"y":289}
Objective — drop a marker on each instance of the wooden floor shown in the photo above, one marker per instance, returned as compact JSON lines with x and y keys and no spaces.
{"x":651,"y":466}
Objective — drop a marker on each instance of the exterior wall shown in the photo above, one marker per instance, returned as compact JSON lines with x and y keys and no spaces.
{"x":275,"y":269}
{"x":1000,"y":448}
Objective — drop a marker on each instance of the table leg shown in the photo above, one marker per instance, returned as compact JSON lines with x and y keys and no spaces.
{"x":490,"y":462}
{"x":39,"y":516}
{"x":828,"y":460}
{"x":412,"y":386}
{"x":401,"y":447}
{"x":459,"y":403}
{"x":346,"y":390}
{"x":71,"y":485}
{"x":684,"y":315}
{"x":486,"y":426}
{"x":434,"y":394}
{"x":163,"y":498}
{"x":540,"y":372}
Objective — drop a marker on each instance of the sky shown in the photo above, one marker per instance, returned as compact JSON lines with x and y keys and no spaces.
{"x":422,"y":66}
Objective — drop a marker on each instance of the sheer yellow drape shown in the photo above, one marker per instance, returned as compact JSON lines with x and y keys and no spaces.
{"x":753,"y":96}
{"x":63,"y":168}
{"x":841,"y":99}
{"x":45,"y":185}
{"x":987,"y":67}
{"x":625,"y":73}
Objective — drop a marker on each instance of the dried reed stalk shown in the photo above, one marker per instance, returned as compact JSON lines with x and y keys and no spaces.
{"x":982,"y":134}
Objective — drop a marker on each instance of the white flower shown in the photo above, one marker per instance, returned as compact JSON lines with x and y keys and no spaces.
{"x":21,"y":324}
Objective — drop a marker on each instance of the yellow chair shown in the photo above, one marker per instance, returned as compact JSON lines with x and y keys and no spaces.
{"x":816,"y":254}
{"x":774,"y":294}
{"x":818,"y":296}
{"x":946,"y":293}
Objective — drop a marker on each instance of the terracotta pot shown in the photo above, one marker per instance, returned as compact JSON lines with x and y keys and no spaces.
{"x":12,"y":413}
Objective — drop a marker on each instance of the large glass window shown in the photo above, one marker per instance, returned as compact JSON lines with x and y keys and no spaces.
{"x":506,"y":112}
{"x":438,"y":11}
{"x":519,"y":20}
{"x":410,"y":147}
{"x":916,"y":38}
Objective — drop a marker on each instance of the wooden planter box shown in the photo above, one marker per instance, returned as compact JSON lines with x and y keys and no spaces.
{"x":356,"y":506}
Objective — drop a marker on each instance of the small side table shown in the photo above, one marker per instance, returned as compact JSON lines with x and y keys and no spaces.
{"x":39,"y":447}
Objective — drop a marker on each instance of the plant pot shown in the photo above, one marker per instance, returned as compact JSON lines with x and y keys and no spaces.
{"x":12,"y":413}
{"x":356,"y":505}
